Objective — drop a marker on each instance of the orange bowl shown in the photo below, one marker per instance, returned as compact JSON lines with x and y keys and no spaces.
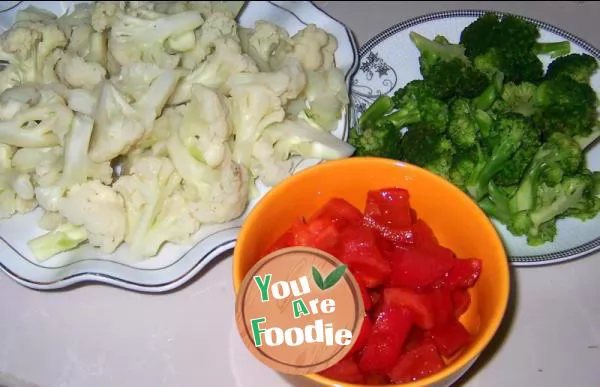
{"x":456,"y":220}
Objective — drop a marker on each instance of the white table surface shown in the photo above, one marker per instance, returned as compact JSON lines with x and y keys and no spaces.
{"x":97,"y":336}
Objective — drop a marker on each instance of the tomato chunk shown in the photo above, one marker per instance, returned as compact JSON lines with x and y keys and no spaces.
{"x":319,"y":233}
{"x":443,"y":306}
{"x":419,"y":303}
{"x":340,"y":212}
{"x":359,"y":251}
{"x":390,"y":330}
{"x":363,"y":336}
{"x":424,"y":234}
{"x":345,"y":370}
{"x":417,"y":363}
{"x":365,"y":296}
{"x":285,"y":240}
{"x":388,"y":211}
{"x":450,"y":337}
{"x":461,"y":301}
{"x":419,"y":267}
{"x":464,"y":274}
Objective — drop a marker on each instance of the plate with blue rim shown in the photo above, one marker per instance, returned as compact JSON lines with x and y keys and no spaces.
{"x":390,"y":60}
{"x":176,"y":264}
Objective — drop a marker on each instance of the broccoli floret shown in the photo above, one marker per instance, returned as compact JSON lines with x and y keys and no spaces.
{"x":509,"y":133}
{"x":573,"y":120}
{"x":496,"y":204}
{"x":377,"y":141}
{"x":579,"y":67}
{"x":509,"y":45}
{"x":546,"y":232}
{"x":456,"y":78}
{"x":517,"y":99}
{"x":491,"y":94}
{"x":559,"y":151}
{"x":467,"y":124}
{"x":415,"y":104}
{"x":427,"y":148}
{"x":434,"y":51}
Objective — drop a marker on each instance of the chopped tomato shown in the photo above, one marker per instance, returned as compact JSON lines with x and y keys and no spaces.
{"x":419,"y":267}
{"x":420,"y":362}
{"x":285,"y":240}
{"x":363,"y":336}
{"x":376,"y":380}
{"x":419,"y":303}
{"x":423,"y":234}
{"x":388,"y":212}
{"x":443,"y":306}
{"x":389,"y":333}
{"x":345,"y":370}
{"x":414,"y":339}
{"x":340,"y":212}
{"x":464,"y":274}
{"x":319,"y":233}
{"x":450,"y":337}
{"x":365,"y":296}
{"x":359,"y":251}
{"x":376,"y":298}
{"x":461,"y":300}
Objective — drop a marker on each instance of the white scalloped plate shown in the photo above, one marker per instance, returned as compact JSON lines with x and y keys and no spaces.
{"x":390,"y":60}
{"x":175,"y":265}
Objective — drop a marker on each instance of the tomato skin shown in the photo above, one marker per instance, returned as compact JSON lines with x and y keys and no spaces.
{"x":424,"y":234}
{"x":388,"y":212}
{"x":339,"y":212}
{"x":443,"y":306}
{"x":464,"y":274}
{"x":450,"y":337}
{"x":417,"y":363}
{"x":363,"y":336}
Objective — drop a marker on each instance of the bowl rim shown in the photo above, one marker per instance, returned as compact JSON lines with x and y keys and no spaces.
{"x":468,"y":357}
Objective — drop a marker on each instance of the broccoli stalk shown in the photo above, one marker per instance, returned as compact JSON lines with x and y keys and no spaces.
{"x":380,"y":107}
{"x":65,"y":237}
{"x":566,"y":195}
{"x":494,"y":90}
{"x":554,"y":49}
{"x":560,"y":151}
{"x":496,"y":204}
{"x":434,"y":51}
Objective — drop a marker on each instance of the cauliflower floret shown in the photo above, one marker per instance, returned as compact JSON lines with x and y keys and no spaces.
{"x":134,"y":39}
{"x":268,"y":44}
{"x":157,"y":211}
{"x":41,"y":125}
{"x":77,"y":73}
{"x":16,"y":189}
{"x":104,"y":14}
{"x":253,"y":108}
{"x":205,"y":127}
{"x":134,"y":79}
{"x":154,"y":142}
{"x":287,"y":83}
{"x":216,"y":26}
{"x":216,"y":70}
{"x":271,"y":154}
{"x":217,"y":194}
{"x":35,"y":14}
{"x":100,"y":210}
{"x":315,"y":48}
{"x":51,"y":220}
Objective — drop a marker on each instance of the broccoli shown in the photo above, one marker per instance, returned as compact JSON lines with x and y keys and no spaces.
{"x":415,"y":104}
{"x":381,"y":106}
{"x":466,"y":124}
{"x":378,"y":141}
{"x":558,"y":152}
{"x":490,"y":95}
{"x":497,"y":204}
{"x":435,"y":51}
{"x":427,"y":148}
{"x":517,"y":99}
{"x":509,"y":134}
{"x":509,"y":45}
{"x":579,"y":67}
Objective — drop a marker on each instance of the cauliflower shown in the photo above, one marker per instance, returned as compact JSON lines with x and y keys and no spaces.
{"x":77,"y":73}
{"x":119,"y":125}
{"x":287,"y":83}
{"x":157,"y":211}
{"x":92,"y":212}
{"x":217,"y":194}
{"x":253,"y":108}
{"x":104,"y":14}
{"x":268,"y":44}
{"x":16,"y":189}
{"x":215,"y":71}
{"x":134,"y":79}
{"x":205,"y":127}
{"x":51,"y":220}
{"x":216,"y":26}
{"x":40,"y":125}
{"x":315,"y":48}
{"x":271,"y":154}
{"x":154,"y":142}
{"x":325,"y":97}
{"x":134,"y":39}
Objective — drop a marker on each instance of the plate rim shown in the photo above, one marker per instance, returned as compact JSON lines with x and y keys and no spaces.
{"x":573,"y":253}
{"x":220,"y":247}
